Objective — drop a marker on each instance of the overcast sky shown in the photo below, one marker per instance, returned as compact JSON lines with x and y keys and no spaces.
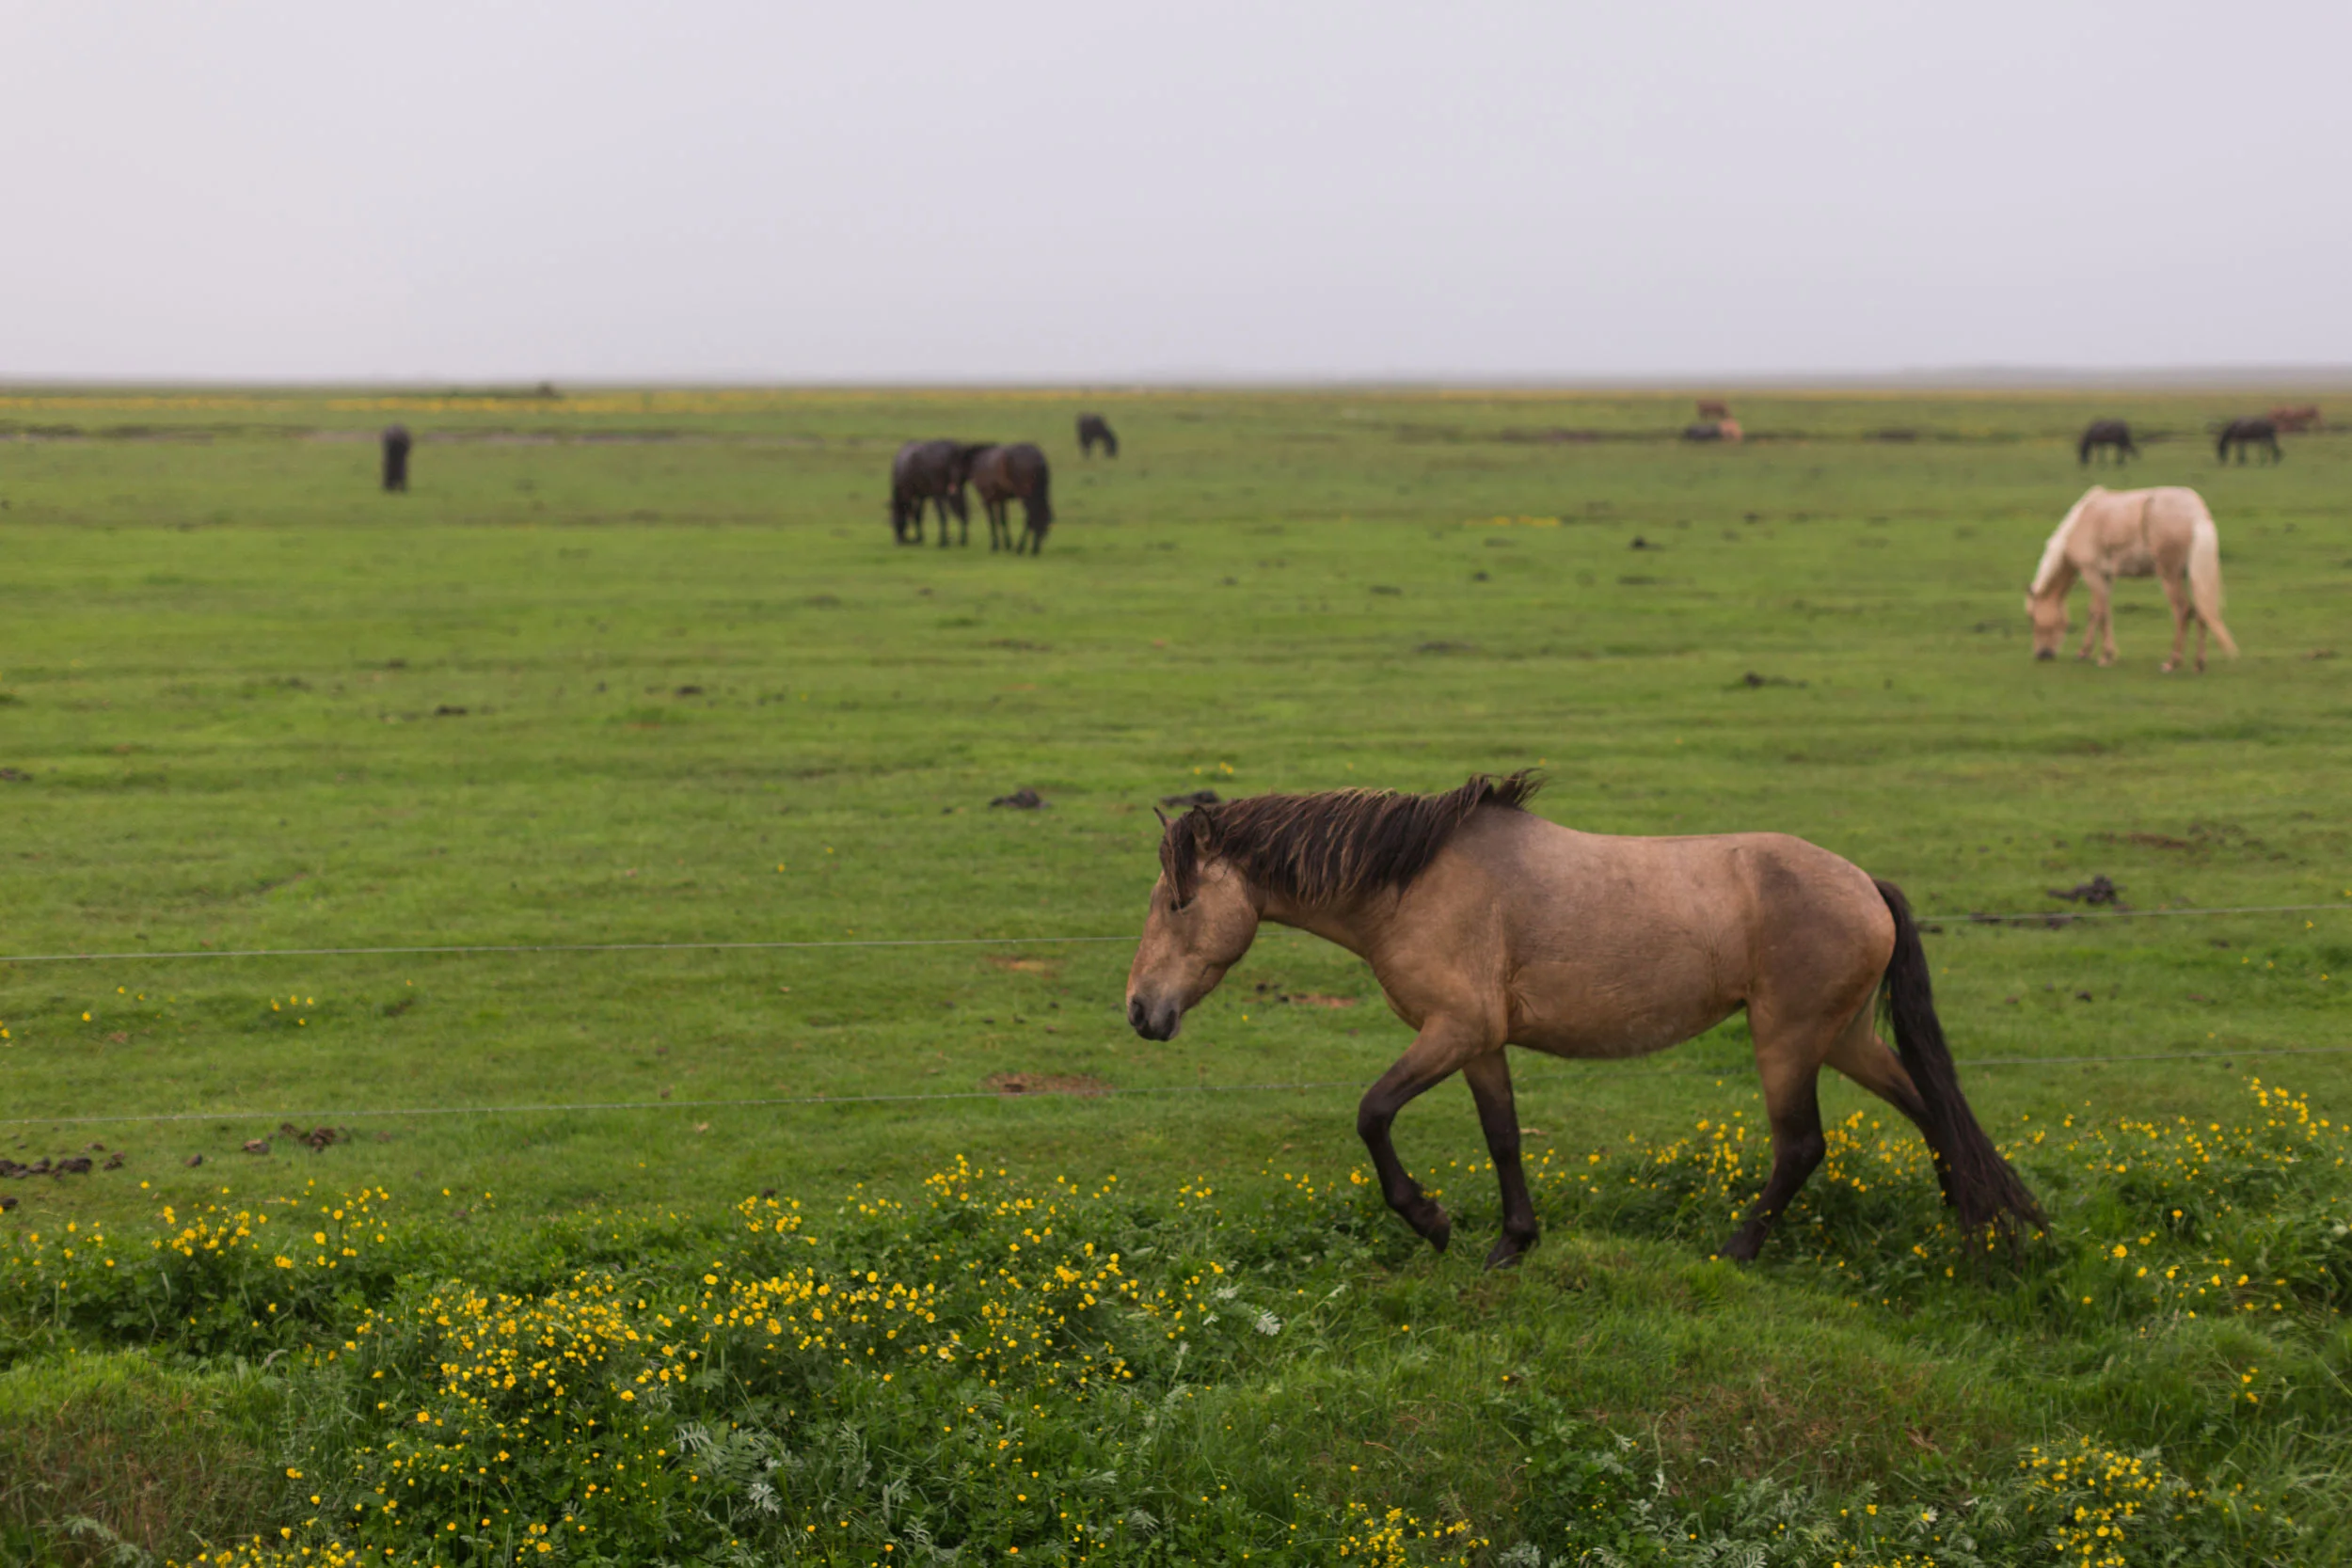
{"x":1021,"y":191}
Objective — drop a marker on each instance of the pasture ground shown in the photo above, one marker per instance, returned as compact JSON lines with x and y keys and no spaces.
{"x":644,"y":667}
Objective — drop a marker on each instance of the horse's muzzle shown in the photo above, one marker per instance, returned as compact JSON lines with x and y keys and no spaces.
{"x":2047,"y":653}
{"x":1153,"y":1023}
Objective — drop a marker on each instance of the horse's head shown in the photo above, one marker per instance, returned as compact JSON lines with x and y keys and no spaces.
{"x":1203,"y":918}
{"x":2049,"y":622}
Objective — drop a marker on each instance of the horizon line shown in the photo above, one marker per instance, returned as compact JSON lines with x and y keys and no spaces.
{"x":1961,"y":377}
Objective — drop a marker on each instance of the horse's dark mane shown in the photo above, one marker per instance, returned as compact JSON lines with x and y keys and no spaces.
{"x":1325,"y":848}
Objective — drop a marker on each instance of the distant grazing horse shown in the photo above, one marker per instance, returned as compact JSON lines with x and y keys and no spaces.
{"x":2296,"y":422}
{"x":396,"y":443}
{"x":1713,"y":429}
{"x":2107,"y":433}
{"x":1712,"y":409}
{"x":1487,"y":925}
{"x":1004,"y":475}
{"x":2165,"y":534}
{"x":1094,"y":428}
{"x":2242,"y":433}
{"x":930,"y":473}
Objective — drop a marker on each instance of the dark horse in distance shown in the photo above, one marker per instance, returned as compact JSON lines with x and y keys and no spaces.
{"x":396,"y":443}
{"x":930,"y":473}
{"x":2242,"y":433}
{"x":1004,"y":475}
{"x":1094,"y":428}
{"x":2113,"y":433}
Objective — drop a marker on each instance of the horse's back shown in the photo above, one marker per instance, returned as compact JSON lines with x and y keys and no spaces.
{"x":1619,"y":945}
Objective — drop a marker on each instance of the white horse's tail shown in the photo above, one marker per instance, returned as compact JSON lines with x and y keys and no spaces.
{"x":2204,"y":578}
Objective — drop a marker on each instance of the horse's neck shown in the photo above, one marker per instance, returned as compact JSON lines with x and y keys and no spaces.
{"x":1347,"y":924}
{"x":2061,"y":555}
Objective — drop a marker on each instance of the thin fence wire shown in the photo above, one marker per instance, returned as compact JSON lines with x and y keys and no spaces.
{"x":483,"y":949}
{"x":477,"y":949}
{"x":1105,"y":1093}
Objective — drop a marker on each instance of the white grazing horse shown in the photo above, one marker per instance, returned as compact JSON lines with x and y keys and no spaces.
{"x":2165,"y":534}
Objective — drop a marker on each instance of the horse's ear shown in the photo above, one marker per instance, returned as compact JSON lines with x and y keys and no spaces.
{"x":1162,"y":815}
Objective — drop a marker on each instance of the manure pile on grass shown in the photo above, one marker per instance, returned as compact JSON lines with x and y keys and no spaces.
{"x":992,"y":1369}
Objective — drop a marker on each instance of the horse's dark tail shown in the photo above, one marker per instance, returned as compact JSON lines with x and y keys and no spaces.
{"x":2082,"y":451}
{"x":1981,"y":1188}
{"x":1041,"y":504}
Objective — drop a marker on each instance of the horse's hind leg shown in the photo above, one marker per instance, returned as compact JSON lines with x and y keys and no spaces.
{"x":1792,"y":1100}
{"x":1863,"y":1057}
{"x":1489,"y":1079}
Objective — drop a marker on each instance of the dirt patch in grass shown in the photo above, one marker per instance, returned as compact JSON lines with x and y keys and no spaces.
{"x":1009,"y":1084}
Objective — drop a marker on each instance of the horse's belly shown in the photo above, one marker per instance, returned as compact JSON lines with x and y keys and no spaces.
{"x":1597,"y":1022}
{"x":2139,"y":563}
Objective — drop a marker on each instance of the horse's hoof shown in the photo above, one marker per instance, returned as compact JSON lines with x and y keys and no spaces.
{"x":1742,"y":1248}
{"x":1435,"y":1226}
{"x":2166,"y":668}
{"x":1507,"y":1252}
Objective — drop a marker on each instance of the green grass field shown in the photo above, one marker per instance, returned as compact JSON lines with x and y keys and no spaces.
{"x":645,"y":668}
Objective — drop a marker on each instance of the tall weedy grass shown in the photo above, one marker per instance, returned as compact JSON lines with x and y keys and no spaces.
{"x":992,"y":1368}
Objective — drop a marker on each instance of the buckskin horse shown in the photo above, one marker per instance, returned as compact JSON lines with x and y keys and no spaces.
{"x":2165,"y":534}
{"x":2250,"y":432}
{"x":2113,"y":434}
{"x":1488,"y":927}
{"x":1094,"y":428}
{"x":1003,"y":475}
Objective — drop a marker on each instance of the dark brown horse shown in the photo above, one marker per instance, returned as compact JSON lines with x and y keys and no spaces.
{"x":1094,"y":428}
{"x":1714,"y":408}
{"x":396,"y":443}
{"x":1487,"y":925}
{"x":930,"y":473}
{"x":1003,"y":475}
{"x":2111,"y":434}
{"x":2245,"y":433}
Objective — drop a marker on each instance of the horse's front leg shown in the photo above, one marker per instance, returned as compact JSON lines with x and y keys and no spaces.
{"x":1489,"y":1079}
{"x":1440,"y":1051}
{"x":2101,"y":632}
{"x":2176,"y":593}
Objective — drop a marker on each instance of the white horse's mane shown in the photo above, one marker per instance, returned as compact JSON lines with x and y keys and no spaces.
{"x":2054,"y":553}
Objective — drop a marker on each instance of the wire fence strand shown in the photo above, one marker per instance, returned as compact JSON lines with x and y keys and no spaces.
{"x":1106,"y":1092}
{"x":484,"y":949}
